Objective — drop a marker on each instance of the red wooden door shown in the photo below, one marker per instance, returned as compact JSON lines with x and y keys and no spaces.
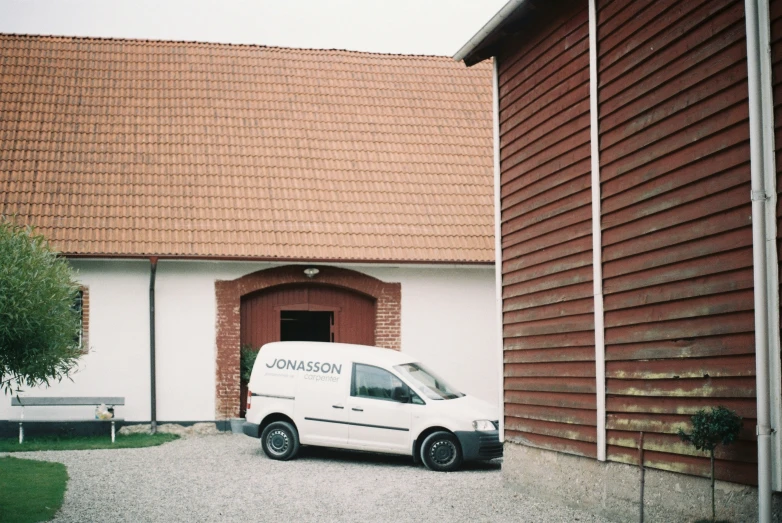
{"x":261,"y":315}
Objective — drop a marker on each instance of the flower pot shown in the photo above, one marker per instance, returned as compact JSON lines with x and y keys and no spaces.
{"x":236,"y":425}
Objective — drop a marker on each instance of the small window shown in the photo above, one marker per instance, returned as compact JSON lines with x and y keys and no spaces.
{"x":373,"y":382}
{"x":81,"y":305}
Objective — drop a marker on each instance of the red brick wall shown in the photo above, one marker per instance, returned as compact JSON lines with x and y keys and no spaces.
{"x":229,"y":294}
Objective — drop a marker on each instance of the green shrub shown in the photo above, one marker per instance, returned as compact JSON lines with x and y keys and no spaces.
{"x":39,"y":326}
{"x":709,"y":429}
{"x":246,"y":361}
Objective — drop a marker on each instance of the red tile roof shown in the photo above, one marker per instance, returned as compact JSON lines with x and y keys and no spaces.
{"x":132,"y":148}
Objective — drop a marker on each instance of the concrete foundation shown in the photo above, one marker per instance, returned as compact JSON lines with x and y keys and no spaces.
{"x":612,"y":489}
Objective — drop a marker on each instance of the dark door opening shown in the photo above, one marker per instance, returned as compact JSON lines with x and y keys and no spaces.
{"x":306,"y":326}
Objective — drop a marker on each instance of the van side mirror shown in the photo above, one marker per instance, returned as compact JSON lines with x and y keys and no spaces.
{"x":401,"y":395}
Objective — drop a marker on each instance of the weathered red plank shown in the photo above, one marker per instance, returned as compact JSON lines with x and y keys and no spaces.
{"x":522,"y":230}
{"x":745,"y":407}
{"x":696,"y":347}
{"x":537,"y":263}
{"x":725,"y":221}
{"x":725,"y":470}
{"x":562,"y":60}
{"x":548,"y":240}
{"x":662,"y":51}
{"x":685,"y":388}
{"x":671,"y":157}
{"x":575,"y":162}
{"x":564,"y":370}
{"x":546,"y":428}
{"x":743,"y":451}
{"x":657,"y":139}
{"x":723,"y":272}
{"x":570,"y":90}
{"x":574,"y":261}
{"x":551,"y":135}
{"x":568,"y":446}
{"x":651,"y":202}
{"x":716,"y":367}
{"x":723,"y":70}
{"x":539,"y":46}
{"x":552,"y":399}
{"x":683,"y":328}
{"x":553,"y":414}
{"x":536,"y":197}
{"x":628,"y":23}
{"x":711,"y":246}
{"x":555,"y":295}
{"x":573,"y":385}
{"x":552,"y":281}
{"x":553,"y":354}
{"x":635,"y":227}
{"x":718,"y":304}
{"x":554,"y":310}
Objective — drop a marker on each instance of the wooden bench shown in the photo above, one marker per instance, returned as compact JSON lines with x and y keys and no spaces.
{"x":109,"y":401}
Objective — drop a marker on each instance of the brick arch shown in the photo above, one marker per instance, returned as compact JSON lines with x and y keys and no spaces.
{"x":229,"y":295}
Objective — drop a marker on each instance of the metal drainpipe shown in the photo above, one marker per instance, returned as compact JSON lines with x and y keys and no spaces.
{"x":152,"y":384}
{"x":498,"y":240}
{"x":759,"y":198}
{"x":597,"y":239}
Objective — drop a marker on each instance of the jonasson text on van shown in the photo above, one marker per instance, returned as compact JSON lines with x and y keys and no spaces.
{"x":309,"y":366}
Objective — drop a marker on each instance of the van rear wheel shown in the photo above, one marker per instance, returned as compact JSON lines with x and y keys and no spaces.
{"x":280,"y":440}
{"x":441,"y":452}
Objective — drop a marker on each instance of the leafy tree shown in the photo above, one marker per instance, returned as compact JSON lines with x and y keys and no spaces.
{"x":39,"y":326}
{"x":709,"y":429}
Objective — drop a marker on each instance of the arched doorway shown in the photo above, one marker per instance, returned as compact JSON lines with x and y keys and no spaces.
{"x":386,"y":297}
{"x":305,"y":312}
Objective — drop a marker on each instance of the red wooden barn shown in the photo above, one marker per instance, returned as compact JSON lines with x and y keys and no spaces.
{"x":635,"y":185}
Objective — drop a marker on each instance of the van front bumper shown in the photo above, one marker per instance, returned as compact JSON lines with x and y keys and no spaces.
{"x":251,"y":429}
{"x":477,"y":445}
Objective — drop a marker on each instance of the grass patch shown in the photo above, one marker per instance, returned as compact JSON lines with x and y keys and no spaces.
{"x":129,"y":441}
{"x":30,"y":490}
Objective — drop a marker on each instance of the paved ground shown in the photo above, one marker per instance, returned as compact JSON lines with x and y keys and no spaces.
{"x":228,"y":478}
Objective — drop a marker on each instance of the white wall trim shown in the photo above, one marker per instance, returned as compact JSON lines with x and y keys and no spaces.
{"x":597,"y":239}
{"x":498,"y":240}
{"x":772,"y":273}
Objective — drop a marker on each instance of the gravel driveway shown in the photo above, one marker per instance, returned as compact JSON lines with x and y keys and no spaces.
{"x":227,"y":477}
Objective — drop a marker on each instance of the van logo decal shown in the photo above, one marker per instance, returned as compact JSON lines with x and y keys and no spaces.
{"x":309,"y":366}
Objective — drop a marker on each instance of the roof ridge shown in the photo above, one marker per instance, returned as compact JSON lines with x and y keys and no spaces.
{"x":216,"y":44}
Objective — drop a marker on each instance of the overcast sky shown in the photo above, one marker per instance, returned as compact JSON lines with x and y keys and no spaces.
{"x":437,"y":27}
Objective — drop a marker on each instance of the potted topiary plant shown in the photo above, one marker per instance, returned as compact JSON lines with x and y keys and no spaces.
{"x":710,"y":428}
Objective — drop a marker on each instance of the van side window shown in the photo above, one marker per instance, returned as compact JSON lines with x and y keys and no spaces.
{"x":376,"y":383}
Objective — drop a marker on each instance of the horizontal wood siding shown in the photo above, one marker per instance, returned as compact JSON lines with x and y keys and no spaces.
{"x":677,"y":240}
{"x":548,"y":316}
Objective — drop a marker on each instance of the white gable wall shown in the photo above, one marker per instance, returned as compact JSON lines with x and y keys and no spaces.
{"x":447,"y":321}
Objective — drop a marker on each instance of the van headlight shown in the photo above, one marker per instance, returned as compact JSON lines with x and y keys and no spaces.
{"x":483,"y":425}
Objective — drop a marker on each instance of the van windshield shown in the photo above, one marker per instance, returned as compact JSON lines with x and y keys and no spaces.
{"x":427,"y":383}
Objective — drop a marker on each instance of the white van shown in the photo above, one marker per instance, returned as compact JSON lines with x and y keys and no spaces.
{"x":364,"y":398}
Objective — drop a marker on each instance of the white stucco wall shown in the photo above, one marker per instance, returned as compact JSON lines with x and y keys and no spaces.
{"x":447,"y":321}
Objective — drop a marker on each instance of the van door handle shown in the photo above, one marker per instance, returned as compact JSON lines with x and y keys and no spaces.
{"x":358,"y":409}
{"x":337,"y":407}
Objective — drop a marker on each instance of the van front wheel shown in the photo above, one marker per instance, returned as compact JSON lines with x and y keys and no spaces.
{"x":280,"y":440}
{"x":441,"y":452}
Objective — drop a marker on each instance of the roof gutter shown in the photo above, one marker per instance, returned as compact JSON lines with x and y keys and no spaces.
{"x":486,"y":31}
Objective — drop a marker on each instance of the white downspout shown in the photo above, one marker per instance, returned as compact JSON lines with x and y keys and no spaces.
{"x":495,"y":86}
{"x":759,"y":199}
{"x":597,"y":240}
{"x":770,"y":180}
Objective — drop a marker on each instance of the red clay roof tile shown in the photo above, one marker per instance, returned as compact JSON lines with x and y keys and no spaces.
{"x":138,"y":148}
